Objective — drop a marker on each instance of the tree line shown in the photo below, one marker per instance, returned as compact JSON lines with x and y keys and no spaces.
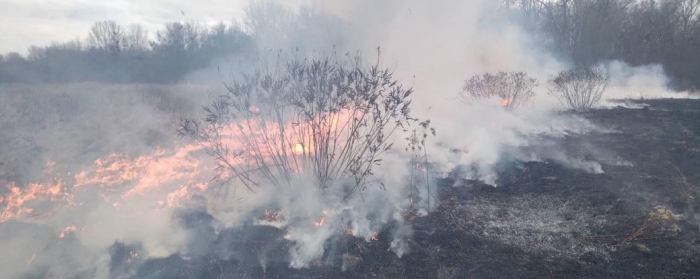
{"x":115,"y":53}
{"x":638,"y":32}
{"x":584,"y":32}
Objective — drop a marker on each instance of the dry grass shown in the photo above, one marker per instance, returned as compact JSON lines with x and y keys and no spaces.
{"x":73,"y":124}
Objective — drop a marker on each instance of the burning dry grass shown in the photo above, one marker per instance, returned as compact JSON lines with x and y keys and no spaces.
{"x":309,"y":136}
{"x":112,"y":159}
{"x":63,"y":126}
{"x":326,"y":119}
{"x":75,"y":124}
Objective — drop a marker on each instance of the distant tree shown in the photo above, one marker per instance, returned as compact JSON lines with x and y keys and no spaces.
{"x":106,"y":36}
{"x":14,"y":57}
{"x":579,"y":88}
{"x":513,"y":89}
{"x":15,"y":68}
{"x":223,"y":39}
{"x":689,"y":13}
{"x":307,"y":30}
{"x":268,"y":20}
{"x":638,"y":32}
{"x":136,"y":38}
{"x":178,"y":37}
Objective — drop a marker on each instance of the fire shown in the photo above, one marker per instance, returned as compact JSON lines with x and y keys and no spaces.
{"x":49,"y":166}
{"x":185,"y":193}
{"x":320,"y":222}
{"x":110,"y":171}
{"x":31,"y":259}
{"x":507,"y":102}
{"x":254,"y":109}
{"x":258,"y":139}
{"x":375,"y":236}
{"x":147,"y":172}
{"x":272,"y":216}
{"x":173,"y":175}
{"x":132,"y":255}
{"x":21,"y":202}
{"x":299,"y":149}
{"x":65,"y":232}
{"x":168,"y":177}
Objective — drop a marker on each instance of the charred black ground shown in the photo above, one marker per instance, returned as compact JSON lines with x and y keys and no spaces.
{"x":543,"y":221}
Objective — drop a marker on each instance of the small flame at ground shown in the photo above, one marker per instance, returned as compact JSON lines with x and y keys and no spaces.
{"x":320,"y":222}
{"x":375,"y":236}
{"x":31,"y":259}
{"x":65,"y":232}
{"x":506,"y":102}
{"x":272,"y":216}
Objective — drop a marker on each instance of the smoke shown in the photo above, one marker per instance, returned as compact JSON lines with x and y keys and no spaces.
{"x":643,"y":82}
{"x":96,"y":134}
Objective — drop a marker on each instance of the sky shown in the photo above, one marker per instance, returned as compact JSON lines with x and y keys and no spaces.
{"x":24,"y":23}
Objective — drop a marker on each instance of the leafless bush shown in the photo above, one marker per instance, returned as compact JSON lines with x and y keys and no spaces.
{"x":327,"y":119}
{"x":513,"y":89}
{"x":420,"y":167}
{"x":579,"y":88}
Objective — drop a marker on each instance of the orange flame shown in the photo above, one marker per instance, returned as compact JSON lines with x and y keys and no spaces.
{"x":171,"y":178}
{"x":20,"y":202}
{"x":272,"y":215}
{"x":375,"y":236}
{"x":507,"y":102}
{"x":31,"y":259}
{"x":320,"y":222}
{"x":65,"y":232}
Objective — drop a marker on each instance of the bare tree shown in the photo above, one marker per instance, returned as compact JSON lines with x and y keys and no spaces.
{"x":179,"y":37}
{"x":106,"y":36}
{"x":329,"y":120}
{"x":269,"y":22}
{"x":579,"y":88}
{"x":513,"y":89}
{"x":136,"y":38}
{"x":689,"y":11}
{"x":306,"y":29}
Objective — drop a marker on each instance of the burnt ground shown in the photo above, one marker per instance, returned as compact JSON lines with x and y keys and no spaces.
{"x":545,"y":220}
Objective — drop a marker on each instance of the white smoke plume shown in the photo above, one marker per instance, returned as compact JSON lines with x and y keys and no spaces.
{"x":644,"y":82}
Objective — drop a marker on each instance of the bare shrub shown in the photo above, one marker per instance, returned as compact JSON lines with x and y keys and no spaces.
{"x":513,"y":89}
{"x":579,"y":88}
{"x":321,"y":118}
{"x":420,"y":166}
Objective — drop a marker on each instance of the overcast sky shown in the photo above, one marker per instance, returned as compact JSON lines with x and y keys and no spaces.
{"x":39,"y":22}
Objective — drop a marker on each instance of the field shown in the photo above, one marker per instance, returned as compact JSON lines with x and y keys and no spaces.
{"x":632,"y":216}
{"x":544,"y":221}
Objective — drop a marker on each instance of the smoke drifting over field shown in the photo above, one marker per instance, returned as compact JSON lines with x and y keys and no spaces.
{"x":88,"y":165}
